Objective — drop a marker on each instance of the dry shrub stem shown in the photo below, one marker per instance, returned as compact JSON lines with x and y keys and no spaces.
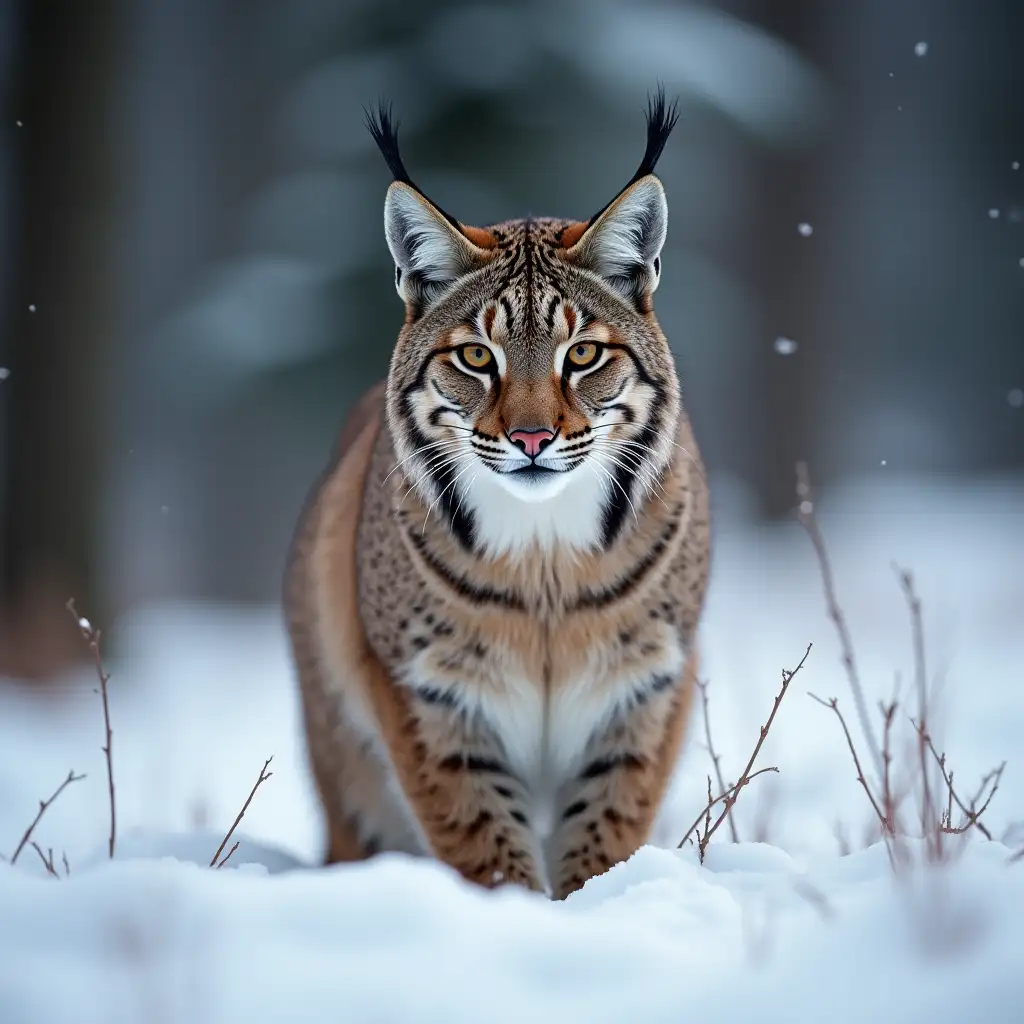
{"x":935,"y":820}
{"x":46,"y":858}
{"x":264,"y":775}
{"x":227,"y":856}
{"x":927,"y":809}
{"x":43,"y":805}
{"x":715,"y":758}
{"x":834,"y":705}
{"x":92,"y":638}
{"x":730,"y":796}
{"x":808,"y":520}
{"x":971,"y":812}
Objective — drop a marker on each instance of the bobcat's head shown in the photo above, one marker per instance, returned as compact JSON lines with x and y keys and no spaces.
{"x":532,"y":394}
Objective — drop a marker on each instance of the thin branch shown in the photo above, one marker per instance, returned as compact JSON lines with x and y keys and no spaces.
{"x":888,"y":802}
{"x":705,"y":812}
{"x":67,"y":866}
{"x":807,"y":519}
{"x":43,"y":805}
{"x":227,"y":856}
{"x":47,"y":861}
{"x":971,"y":816}
{"x":730,"y":796}
{"x":834,"y":705}
{"x":92,"y":638}
{"x":715,"y":759}
{"x":264,"y":775}
{"x":906,"y":581}
{"x":787,"y":676}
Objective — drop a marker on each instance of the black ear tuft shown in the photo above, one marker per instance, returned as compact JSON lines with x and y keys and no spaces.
{"x":384,"y":129}
{"x":661,"y":119}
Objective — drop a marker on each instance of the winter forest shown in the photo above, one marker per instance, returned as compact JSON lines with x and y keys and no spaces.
{"x":195,"y":290}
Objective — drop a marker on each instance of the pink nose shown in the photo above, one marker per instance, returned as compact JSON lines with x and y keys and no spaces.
{"x":533,"y":441}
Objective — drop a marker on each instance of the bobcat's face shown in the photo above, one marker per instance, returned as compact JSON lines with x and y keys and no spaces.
{"x":532,"y":396}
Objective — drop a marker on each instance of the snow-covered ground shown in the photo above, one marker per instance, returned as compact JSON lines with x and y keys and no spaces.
{"x":201,"y":696}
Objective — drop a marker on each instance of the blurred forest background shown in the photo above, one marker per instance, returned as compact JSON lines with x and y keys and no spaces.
{"x":194,"y":283}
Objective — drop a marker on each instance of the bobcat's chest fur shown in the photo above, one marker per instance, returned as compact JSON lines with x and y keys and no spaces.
{"x":534,"y":649}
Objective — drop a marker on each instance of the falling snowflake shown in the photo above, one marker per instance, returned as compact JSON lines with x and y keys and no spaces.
{"x":994,"y":213}
{"x":31,"y":307}
{"x":885,"y":462}
{"x":921,"y":49}
{"x":785,"y":346}
{"x":164,"y":509}
{"x":806,"y":508}
{"x":1015,"y":165}
{"x":4,"y":373}
{"x":20,"y":124}
{"x":1016,"y":397}
{"x":805,"y":229}
{"x":1021,"y":261}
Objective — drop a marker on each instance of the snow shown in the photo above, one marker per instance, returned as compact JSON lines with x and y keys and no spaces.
{"x":4,"y":373}
{"x":749,"y":936}
{"x":1015,"y":396}
{"x":921,"y":49}
{"x":779,"y":928}
{"x":31,"y":307}
{"x":805,"y":229}
{"x":994,"y":213}
{"x":785,"y":346}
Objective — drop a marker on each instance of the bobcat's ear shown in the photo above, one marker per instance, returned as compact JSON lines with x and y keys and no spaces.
{"x":429,"y":251}
{"x":623,"y":244}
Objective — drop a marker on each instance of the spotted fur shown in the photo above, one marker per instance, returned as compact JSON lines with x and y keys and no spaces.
{"x":495,"y":588}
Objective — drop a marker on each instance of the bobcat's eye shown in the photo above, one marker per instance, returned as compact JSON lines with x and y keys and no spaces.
{"x":582,"y":354}
{"x":476,"y":357}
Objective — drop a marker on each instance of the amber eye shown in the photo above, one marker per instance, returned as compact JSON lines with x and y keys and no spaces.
{"x":582,"y":354}
{"x":476,"y":357}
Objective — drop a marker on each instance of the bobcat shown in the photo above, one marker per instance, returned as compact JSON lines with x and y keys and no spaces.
{"x":493,"y":591}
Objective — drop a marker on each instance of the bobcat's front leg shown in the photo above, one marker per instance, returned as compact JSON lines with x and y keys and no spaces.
{"x":609,"y":808}
{"x":470,"y":806}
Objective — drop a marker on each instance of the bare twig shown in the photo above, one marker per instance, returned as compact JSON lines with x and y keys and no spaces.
{"x":264,"y":775}
{"x":972,"y":813}
{"x":705,"y":812}
{"x":227,"y":856}
{"x":729,"y":797}
{"x":1014,"y":857}
{"x":715,"y":759}
{"x":888,"y":712}
{"x":927,"y":808}
{"x":888,"y":825}
{"x":43,"y":805}
{"x":807,"y":519}
{"x":67,"y":866}
{"x":92,"y":638}
{"x":47,"y":860}
{"x":834,"y":705}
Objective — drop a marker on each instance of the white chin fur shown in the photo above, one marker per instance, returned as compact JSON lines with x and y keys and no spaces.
{"x":512,"y":516}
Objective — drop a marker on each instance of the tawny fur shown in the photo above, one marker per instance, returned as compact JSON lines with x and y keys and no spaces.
{"x":511,"y":706}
